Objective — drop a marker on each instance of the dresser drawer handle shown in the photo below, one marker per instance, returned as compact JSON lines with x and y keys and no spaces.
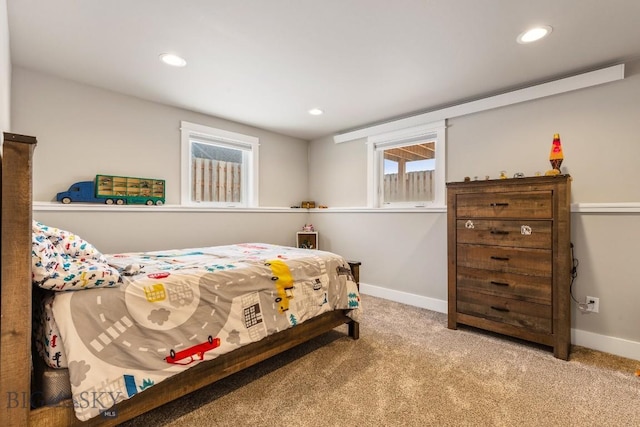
{"x":500,"y":232}
{"x":493,"y":205}
{"x":499,"y":283}
{"x":504,"y":310}
{"x":500,"y":258}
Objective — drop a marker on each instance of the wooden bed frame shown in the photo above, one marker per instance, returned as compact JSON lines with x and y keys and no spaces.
{"x":16,"y":380}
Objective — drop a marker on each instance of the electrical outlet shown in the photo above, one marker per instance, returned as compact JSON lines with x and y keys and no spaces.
{"x":593,"y":304}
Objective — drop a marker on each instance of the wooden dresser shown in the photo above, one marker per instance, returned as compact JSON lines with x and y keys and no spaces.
{"x":509,"y":255}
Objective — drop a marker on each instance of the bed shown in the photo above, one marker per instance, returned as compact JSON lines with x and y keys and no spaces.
{"x":300,"y":294}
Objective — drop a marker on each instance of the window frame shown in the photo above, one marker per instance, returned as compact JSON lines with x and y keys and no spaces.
{"x":249,"y":145}
{"x":376,"y":144}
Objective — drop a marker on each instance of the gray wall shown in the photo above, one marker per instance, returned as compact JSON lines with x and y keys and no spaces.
{"x":598,"y":127}
{"x":406,"y":252}
{"x":83,"y":130}
{"x":116,"y":231}
{"x":338,"y":173}
{"x":5,"y":70}
{"x":402,"y":252}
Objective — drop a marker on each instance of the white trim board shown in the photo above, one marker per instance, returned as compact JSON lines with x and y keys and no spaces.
{"x":607,"y":344}
{"x":101,"y":207}
{"x":432,"y":304}
{"x":603,"y":208}
{"x":555,"y":87}
{"x":626,"y":207}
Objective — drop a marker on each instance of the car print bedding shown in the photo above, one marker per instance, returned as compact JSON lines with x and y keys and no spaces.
{"x":176,"y":308}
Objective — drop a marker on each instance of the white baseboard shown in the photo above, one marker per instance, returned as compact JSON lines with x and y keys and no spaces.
{"x":432,"y":304}
{"x":607,"y":344}
{"x":613,"y":345}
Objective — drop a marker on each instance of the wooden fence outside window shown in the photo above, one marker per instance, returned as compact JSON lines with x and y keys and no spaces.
{"x":418,"y":187}
{"x":216,"y":181}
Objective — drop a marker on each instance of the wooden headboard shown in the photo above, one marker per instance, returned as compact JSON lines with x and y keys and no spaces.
{"x":15,"y":279}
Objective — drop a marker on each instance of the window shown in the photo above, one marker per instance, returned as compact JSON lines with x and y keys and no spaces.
{"x":219,"y":168}
{"x":406,"y":167}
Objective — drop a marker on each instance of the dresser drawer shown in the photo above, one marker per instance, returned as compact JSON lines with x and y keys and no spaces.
{"x":521,"y":233}
{"x":536,"y":262}
{"x":532,"y":316}
{"x":516,"y":286}
{"x":528,"y":204}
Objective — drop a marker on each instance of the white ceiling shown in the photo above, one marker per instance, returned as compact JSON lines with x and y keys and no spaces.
{"x":266,"y":62}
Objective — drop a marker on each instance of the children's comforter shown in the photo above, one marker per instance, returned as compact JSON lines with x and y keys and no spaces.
{"x":175,"y":309}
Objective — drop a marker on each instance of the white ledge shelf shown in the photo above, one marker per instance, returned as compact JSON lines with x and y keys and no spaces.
{"x":99,"y":207}
{"x":417,"y":209}
{"x":597,"y":208}
{"x":631,"y":207}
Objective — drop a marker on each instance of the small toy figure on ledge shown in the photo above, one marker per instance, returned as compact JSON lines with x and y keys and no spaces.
{"x":308,"y":227}
{"x":556,"y":156}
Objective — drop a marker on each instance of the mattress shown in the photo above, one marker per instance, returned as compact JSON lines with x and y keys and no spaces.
{"x":178,"y":308}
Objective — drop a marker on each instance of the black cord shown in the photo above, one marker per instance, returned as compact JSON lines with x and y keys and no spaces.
{"x":574,"y":274}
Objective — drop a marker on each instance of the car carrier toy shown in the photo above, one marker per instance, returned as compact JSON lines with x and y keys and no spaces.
{"x":117,"y":190}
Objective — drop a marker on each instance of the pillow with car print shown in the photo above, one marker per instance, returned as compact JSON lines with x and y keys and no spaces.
{"x":63,"y":261}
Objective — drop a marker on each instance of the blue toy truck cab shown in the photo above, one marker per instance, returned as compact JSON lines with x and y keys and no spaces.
{"x":83,"y":191}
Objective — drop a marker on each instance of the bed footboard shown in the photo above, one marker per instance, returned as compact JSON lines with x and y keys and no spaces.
{"x":204,"y":373}
{"x":197,"y":377}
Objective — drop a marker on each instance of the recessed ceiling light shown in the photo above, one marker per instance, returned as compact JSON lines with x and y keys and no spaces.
{"x":171,"y":59}
{"x":534,"y":34}
{"x":316,"y":112}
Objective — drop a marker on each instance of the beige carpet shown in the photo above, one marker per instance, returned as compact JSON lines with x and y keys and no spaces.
{"x":408,"y":369}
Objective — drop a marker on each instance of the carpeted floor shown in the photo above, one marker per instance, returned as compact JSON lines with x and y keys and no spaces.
{"x":408,"y":369}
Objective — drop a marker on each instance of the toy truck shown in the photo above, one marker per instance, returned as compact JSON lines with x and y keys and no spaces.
{"x":120,"y":190}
